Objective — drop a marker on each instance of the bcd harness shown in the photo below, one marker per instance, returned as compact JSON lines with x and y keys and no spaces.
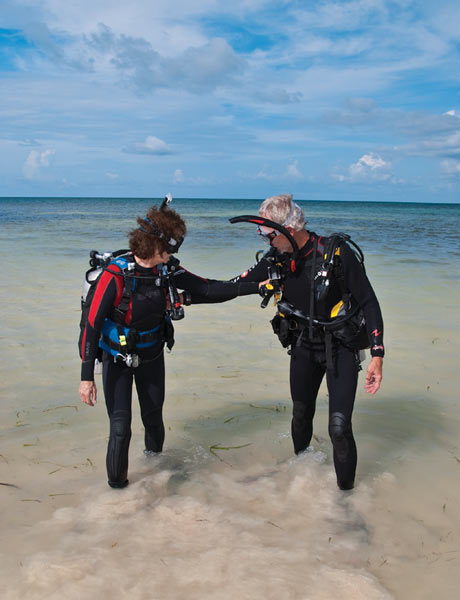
{"x":345,"y":321}
{"x":123,"y":342}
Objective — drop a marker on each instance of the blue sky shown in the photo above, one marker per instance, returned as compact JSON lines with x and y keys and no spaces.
{"x":351,"y":100}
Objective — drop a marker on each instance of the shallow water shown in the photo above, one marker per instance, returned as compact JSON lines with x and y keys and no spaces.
{"x":227,"y":511}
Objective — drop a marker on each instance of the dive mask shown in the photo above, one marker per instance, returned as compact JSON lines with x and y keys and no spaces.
{"x":267,"y":233}
{"x":172,"y":245}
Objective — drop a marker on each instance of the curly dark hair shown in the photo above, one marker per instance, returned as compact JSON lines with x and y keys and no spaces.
{"x":145,"y":242}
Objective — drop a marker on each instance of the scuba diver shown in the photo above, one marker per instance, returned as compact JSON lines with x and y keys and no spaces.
{"x":126,"y":321}
{"x":327,"y":314}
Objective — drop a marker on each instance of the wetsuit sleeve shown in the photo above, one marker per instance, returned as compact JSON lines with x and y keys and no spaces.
{"x":108,"y":288}
{"x":258,"y":272}
{"x":361,"y":289}
{"x":206,"y":291}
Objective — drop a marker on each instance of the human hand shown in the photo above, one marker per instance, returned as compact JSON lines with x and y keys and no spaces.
{"x":88,"y":392}
{"x":374,"y":375}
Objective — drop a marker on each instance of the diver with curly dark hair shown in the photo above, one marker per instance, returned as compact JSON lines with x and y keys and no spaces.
{"x":128,"y":318}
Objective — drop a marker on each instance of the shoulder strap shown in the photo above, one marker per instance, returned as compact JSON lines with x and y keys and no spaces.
{"x":337,"y":241}
{"x":129,"y":285}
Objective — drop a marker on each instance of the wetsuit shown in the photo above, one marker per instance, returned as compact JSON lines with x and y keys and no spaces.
{"x":146,"y":311}
{"x":309,"y":362}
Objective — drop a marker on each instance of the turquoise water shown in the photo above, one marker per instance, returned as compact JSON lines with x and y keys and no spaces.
{"x":250,"y":521}
{"x":416,"y":231}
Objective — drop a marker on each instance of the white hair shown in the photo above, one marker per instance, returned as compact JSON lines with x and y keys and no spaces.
{"x":283,"y":210}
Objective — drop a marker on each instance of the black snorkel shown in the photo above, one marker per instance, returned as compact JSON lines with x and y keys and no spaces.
{"x":167,"y":200}
{"x":263,"y":222}
{"x":176,"y":312}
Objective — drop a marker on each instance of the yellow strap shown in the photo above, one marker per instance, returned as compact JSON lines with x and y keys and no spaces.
{"x":336,"y":308}
{"x":122,"y":340}
{"x":336,"y":253}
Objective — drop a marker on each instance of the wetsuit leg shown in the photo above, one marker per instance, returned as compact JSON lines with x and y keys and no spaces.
{"x":117,"y":380}
{"x":342,"y":389}
{"x":150,"y":385}
{"x":306,"y":374}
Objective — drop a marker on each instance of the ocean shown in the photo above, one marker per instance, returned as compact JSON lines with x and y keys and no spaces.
{"x":227,"y":511}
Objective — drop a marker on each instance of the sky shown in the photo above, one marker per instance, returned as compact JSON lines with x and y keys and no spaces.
{"x":333,"y":100}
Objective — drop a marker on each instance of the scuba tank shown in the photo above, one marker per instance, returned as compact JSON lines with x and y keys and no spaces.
{"x":98,"y":262}
{"x":329,"y":264}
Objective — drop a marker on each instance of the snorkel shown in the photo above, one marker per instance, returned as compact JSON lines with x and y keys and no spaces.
{"x":102,"y":261}
{"x":166,"y":202}
{"x":176,"y":312}
{"x":273,"y":288}
{"x":263,"y":222}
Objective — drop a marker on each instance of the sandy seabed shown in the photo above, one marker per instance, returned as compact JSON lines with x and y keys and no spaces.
{"x":227,"y":511}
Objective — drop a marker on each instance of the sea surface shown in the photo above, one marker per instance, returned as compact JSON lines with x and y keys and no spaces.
{"x":227,"y":511}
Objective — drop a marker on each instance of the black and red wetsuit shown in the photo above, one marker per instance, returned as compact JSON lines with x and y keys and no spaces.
{"x":308,"y":356}
{"x":147,"y":310}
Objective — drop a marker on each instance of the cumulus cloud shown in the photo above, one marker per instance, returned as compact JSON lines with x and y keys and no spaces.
{"x":293,"y":172}
{"x":35,"y":162}
{"x":59,"y":48}
{"x":151,"y":145}
{"x":368,"y":163}
{"x":370,"y":167}
{"x":197,"y":69}
{"x":178,"y":176}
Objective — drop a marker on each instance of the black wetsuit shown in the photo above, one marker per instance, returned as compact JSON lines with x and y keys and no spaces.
{"x":146,"y":311}
{"x":308,"y":355}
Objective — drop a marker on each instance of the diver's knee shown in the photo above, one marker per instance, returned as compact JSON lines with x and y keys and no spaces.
{"x":340,"y":432}
{"x":299,"y":411}
{"x":338,"y":426}
{"x":120,"y":424}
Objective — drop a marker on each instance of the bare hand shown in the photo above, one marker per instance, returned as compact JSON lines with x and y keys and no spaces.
{"x":261,"y":283}
{"x":88,"y":392}
{"x":374,"y":375}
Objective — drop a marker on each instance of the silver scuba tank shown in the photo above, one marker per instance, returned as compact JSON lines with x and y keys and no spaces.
{"x":90,"y":276}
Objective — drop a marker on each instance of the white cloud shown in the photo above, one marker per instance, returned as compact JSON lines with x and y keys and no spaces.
{"x":197,"y":69}
{"x":451,"y":166}
{"x":152,"y":145}
{"x":441,"y":145}
{"x":35,"y":162}
{"x":293,"y":172}
{"x":453,"y":113}
{"x":368,"y":163}
{"x":29,"y":142}
{"x":370,"y":167}
{"x":178,"y":176}
{"x":111,"y":175}
{"x":277,"y":96}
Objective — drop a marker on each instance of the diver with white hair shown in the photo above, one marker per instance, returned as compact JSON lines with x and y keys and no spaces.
{"x":328,"y":313}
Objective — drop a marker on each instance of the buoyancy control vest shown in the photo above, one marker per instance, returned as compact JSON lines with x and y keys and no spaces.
{"x":345,"y":321}
{"x":117,"y":338}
